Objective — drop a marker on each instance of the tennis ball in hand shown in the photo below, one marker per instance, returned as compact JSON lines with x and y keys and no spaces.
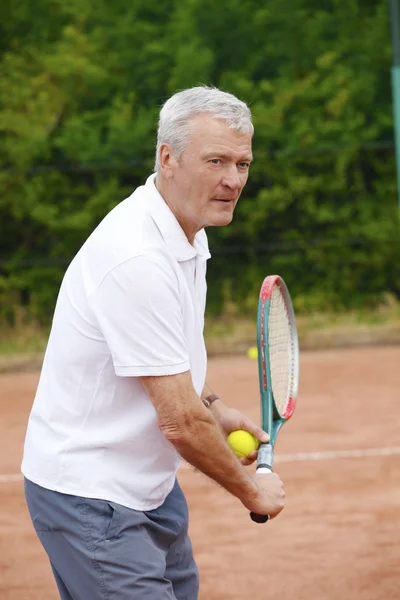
{"x":242,"y":443}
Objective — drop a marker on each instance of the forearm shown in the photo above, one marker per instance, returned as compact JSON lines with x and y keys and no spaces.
{"x":217,"y":407}
{"x":206,"y":391}
{"x":196,"y":435}
{"x":202,"y":444}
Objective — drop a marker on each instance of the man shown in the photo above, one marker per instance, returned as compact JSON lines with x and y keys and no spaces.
{"x":119,"y":397}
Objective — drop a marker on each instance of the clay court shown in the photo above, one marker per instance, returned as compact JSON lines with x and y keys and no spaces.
{"x":338,"y":537}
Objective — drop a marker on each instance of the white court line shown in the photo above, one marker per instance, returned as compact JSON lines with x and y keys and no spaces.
{"x":10,"y":478}
{"x":285,"y":458}
{"x":329,"y":455}
{"x":334,"y":454}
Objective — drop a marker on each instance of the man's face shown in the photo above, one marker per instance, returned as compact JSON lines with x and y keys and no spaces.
{"x":207,"y":180}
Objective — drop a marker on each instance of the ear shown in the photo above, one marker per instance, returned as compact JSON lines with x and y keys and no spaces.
{"x":167,"y":160}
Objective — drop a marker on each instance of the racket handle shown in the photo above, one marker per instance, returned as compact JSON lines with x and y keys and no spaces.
{"x":264,"y":462}
{"x":259,"y":518}
{"x":263,"y":469}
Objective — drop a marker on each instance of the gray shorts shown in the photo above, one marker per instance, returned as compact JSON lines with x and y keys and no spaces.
{"x":101,"y":550}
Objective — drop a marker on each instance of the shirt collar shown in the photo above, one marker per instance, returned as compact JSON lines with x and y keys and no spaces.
{"x":171,"y":231}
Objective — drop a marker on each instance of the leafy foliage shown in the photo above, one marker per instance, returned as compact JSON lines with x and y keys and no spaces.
{"x":81,"y":86}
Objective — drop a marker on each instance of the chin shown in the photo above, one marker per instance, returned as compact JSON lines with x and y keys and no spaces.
{"x":221,"y":220}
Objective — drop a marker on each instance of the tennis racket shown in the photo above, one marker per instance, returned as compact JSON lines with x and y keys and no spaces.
{"x":278,"y":366}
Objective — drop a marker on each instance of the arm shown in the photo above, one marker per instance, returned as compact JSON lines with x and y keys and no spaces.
{"x":195,"y":434}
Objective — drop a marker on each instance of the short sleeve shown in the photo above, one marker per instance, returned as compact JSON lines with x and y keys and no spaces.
{"x":138,"y":310}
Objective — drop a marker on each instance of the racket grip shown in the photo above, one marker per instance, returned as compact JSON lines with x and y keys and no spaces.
{"x":265,"y":457}
{"x":254,"y":516}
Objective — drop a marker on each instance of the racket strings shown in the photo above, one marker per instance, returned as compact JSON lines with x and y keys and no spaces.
{"x":280,"y":350}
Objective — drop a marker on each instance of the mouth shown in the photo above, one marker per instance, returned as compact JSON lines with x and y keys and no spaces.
{"x":225,"y":200}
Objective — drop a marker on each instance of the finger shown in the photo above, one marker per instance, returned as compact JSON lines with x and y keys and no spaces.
{"x":248,"y":460}
{"x":262,"y":436}
{"x":258,"y":433}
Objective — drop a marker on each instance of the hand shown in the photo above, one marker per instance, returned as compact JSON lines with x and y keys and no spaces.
{"x":231,"y":419}
{"x":270,"y":497}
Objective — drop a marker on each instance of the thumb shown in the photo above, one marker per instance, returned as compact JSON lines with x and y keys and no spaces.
{"x":258,"y":433}
{"x":261,"y":435}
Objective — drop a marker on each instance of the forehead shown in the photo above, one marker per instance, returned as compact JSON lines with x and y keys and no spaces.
{"x":208,"y":134}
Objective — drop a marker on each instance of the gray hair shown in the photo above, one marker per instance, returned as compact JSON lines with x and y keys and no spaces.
{"x":174,"y":116}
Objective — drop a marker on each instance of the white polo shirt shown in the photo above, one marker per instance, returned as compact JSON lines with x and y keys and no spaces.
{"x":131,"y":303}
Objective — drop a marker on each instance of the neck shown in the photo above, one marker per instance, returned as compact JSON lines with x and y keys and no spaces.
{"x":165,"y":193}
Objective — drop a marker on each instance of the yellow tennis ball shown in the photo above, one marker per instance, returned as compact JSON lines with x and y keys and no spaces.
{"x":242,"y":442}
{"x":252,"y":352}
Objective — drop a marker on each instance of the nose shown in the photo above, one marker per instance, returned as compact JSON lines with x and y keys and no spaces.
{"x":231,"y":178}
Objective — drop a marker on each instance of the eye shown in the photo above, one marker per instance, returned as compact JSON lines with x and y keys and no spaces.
{"x":244,"y":165}
{"x":215,"y":161}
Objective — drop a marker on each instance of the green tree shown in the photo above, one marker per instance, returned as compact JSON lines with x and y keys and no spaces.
{"x":80,"y":89}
